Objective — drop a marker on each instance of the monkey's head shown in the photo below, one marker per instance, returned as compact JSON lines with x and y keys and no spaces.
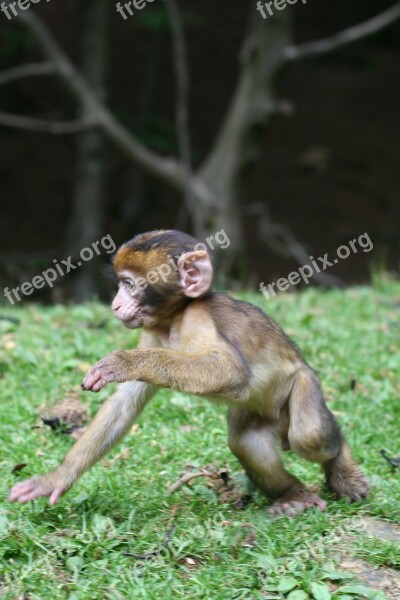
{"x":159,"y":273}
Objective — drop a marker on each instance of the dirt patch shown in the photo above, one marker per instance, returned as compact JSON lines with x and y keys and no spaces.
{"x":383,"y":579}
{"x":382,"y":529}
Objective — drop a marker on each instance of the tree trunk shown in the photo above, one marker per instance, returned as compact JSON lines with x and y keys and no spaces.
{"x":239,"y":139}
{"x":86,"y":224}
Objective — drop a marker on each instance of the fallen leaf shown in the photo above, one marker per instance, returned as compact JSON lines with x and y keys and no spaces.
{"x":250,"y":541}
{"x":70,"y":411}
{"x":18,"y":467}
{"x":124,"y":455}
{"x":121,"y":456}
{"x":52,"y":422}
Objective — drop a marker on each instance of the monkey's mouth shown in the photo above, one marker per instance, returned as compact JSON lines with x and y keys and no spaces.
{"x":132,"y":320}
{"x":137,"y":319}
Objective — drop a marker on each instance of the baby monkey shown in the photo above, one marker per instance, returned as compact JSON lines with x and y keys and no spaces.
{"x":205,"y":343}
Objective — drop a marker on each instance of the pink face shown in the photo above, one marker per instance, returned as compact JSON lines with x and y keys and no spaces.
{"x":132,"y":306}
{"x":127,"y":305}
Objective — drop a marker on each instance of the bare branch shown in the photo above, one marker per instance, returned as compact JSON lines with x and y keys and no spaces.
{"x":352,"y":34}
{"x":283,"y":242}
{"x":41,"y":125}
{"x":167,"y":169}
{"x":28,"y":70}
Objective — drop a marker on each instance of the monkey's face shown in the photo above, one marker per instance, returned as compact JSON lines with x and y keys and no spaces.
{"x":129,"y":304}
{"x":158,"y":274}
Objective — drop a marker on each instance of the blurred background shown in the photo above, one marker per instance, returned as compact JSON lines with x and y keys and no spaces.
{"x":199,"y":116}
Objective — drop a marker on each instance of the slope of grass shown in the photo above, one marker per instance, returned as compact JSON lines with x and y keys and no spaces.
{"x":77,"y":549}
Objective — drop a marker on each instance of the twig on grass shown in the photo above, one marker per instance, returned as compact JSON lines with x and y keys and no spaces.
{"x":187,"y":477}
{"x":167,"y":538}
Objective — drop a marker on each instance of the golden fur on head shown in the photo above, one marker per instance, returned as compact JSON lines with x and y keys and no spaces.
{"x":147,"y":251}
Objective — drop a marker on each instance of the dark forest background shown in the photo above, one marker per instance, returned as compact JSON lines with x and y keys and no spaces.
{"x":316,"y":165}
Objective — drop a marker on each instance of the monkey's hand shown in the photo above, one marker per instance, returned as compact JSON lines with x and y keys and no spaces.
{"x":114,"y":368}
{"x":53,"y":484}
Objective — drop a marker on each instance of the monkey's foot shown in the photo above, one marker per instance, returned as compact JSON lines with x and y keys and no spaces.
{"x":349,"y":483}
{"x":294,"y":502}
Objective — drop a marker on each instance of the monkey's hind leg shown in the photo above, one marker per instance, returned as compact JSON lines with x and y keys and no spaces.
{"x":315,"y":435}
{"x":253,"y":441}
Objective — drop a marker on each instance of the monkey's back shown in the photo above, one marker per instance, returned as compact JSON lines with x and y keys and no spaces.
{"x":263,"y":334}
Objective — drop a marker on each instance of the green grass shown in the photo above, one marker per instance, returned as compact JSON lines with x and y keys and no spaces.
{"x":77,"y":549}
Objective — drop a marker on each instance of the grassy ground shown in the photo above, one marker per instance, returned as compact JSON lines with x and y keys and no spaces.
{"x":77,"y":549}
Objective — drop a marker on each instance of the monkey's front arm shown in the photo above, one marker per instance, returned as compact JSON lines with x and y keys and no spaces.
{"x":207,"y":374}
{"x":113,"y":420}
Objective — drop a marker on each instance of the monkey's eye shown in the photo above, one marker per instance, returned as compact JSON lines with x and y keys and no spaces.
{"x":130,"y":286}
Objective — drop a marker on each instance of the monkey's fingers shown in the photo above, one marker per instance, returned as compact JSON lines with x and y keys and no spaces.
{"x":19,"y":489}
{"x":26,"y":490}
{"x":99,"y":385}
{"x":34,"y":488}
{"x":56,"y":495}
{"x":93,"y":381}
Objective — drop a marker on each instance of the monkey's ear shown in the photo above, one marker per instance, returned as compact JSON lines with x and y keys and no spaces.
{"x":195,"y":272}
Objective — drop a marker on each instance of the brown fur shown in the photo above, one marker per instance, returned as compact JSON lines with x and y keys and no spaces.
{"x":227,"y":351}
